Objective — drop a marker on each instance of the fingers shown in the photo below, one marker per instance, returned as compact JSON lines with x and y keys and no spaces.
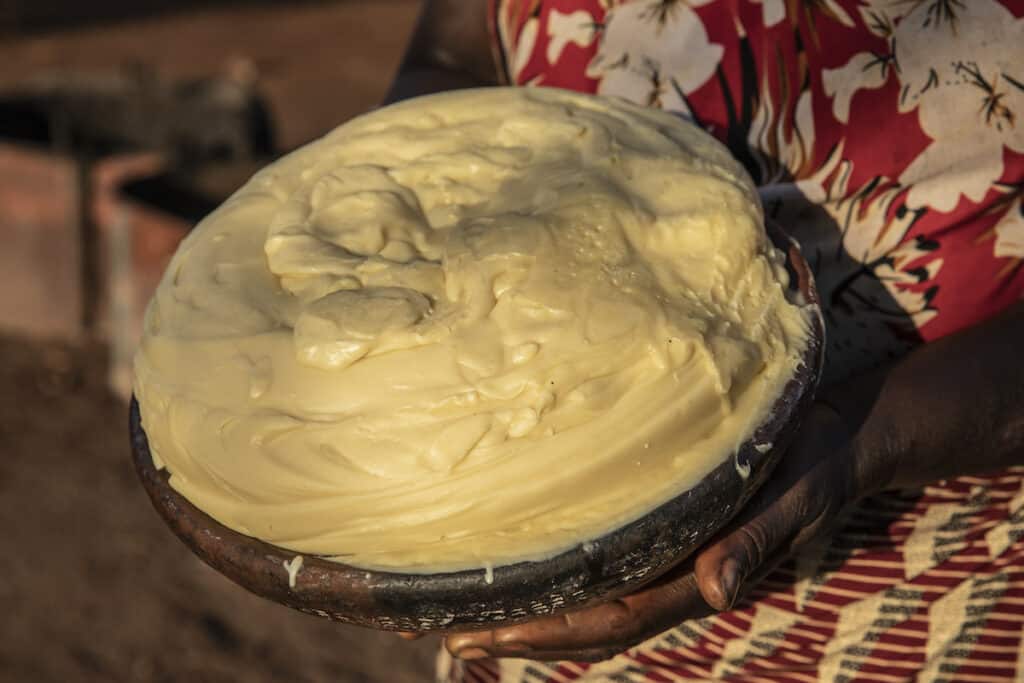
{"x":548,"y":637}
{"x":591,"y":634}
{"x":804,"y":495}
{"x":723,"y":567}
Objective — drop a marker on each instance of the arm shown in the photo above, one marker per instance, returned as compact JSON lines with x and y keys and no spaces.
{"x":450,"y":49}
{"x":952,"y":407}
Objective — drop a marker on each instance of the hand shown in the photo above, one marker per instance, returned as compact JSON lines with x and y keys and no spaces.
{"x":816,"y":479}
{"x":908,"y":432}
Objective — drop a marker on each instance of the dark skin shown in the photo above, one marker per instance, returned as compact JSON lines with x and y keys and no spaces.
{"x":949,"y":408}
{"x":450,"y":49}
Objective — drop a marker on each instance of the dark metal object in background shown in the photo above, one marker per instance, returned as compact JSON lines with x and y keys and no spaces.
{"x":103,"y":113}
{"x":610,"y":566}
{"x":24,"y":16}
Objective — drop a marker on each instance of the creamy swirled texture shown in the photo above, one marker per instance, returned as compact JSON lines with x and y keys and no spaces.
{"x":468,"y":329}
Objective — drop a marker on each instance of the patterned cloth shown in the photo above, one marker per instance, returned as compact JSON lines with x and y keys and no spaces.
{"x":884,"y":135}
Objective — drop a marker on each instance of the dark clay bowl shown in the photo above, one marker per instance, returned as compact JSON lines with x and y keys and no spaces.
{"x":602,"y":569}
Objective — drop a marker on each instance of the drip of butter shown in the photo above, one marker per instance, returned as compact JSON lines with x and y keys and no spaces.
{"x":467,"y":330}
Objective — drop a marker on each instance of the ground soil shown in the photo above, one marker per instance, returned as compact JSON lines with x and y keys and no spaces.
{"x":93,"y":587}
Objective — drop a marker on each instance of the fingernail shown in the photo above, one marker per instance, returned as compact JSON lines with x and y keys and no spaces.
{"x":472,"y":653}
{"x":730,"y":581}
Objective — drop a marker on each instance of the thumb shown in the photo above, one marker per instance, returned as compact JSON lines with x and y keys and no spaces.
{"x":751,"y":547}
{"x":800,"y":500}
{"x":722,"y":568}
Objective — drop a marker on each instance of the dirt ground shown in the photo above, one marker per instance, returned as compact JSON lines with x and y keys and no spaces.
{"x":93,"y":587}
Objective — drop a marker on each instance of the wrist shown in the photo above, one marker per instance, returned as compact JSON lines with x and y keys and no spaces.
{"x":870,"y":469}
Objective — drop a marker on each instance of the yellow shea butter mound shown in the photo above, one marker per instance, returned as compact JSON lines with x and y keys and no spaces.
{"x":466,"y":330}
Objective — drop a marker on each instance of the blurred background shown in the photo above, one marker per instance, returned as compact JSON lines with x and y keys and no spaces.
{"x":122,"y":122}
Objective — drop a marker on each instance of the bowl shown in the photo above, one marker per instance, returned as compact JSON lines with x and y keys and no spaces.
{"x":598,"y":570}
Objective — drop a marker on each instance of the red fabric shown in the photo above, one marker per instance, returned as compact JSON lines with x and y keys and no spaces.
{"x":973,"y":282}
{"x":908,"y":204}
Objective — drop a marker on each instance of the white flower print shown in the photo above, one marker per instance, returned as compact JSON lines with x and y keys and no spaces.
{"x":522,"y":49}
{"x":578,"y":28}
{"x":677,"y":59}
{"x":772,"y":11}
{"x":969,"y":106}
{"x":960,"y":66}
{"x":1010,"y":232}
{"x":863,"y":71}
{"x":781,"y":155}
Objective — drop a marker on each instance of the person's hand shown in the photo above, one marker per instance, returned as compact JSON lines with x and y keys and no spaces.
{"x":816,"y":478}
{"x":949,"y":408}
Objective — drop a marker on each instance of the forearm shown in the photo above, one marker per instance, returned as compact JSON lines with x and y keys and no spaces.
{"x":952,"y":407}
{"x":450,"y":49}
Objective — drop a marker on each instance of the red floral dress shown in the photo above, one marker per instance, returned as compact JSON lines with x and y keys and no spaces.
{"x":886,"y":136}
